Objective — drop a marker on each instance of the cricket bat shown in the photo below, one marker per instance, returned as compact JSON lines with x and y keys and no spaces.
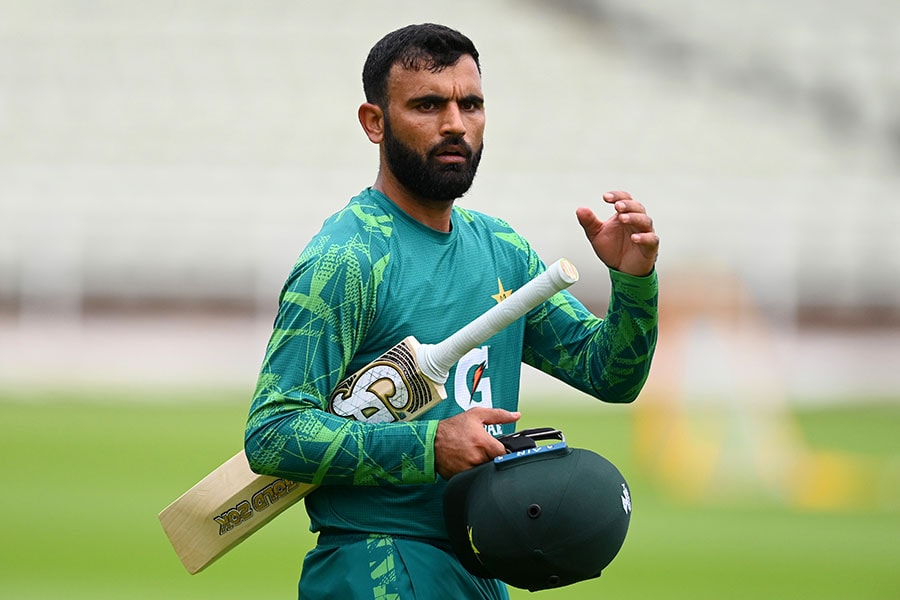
{"x":233,"y":502}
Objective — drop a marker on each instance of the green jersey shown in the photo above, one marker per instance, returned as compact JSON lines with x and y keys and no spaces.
{"x":369,"y":278}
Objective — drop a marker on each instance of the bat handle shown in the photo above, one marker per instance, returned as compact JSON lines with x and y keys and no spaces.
{"x":436,"y":360}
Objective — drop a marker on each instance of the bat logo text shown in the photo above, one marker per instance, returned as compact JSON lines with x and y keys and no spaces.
{"x":258,"y":502}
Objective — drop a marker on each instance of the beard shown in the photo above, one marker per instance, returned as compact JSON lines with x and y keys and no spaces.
{"x":426,"y":178}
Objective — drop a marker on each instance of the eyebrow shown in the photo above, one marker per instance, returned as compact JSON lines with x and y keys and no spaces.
{"x":438,"y":99}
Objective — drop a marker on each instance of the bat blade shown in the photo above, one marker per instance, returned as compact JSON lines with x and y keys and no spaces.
{"x":223,"y":508}
{"x":233,"y":502}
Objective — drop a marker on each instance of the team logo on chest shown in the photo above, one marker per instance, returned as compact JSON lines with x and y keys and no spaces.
{"x":501,"y":294}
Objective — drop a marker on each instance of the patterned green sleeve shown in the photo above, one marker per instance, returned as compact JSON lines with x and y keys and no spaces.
{"x":607,"y":358}
{"x":324,"y":312}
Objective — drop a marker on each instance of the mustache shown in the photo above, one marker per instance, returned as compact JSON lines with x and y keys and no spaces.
{"x":453,"y":144}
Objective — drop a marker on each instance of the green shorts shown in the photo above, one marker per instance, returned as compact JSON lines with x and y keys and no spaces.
{"x":381,"y":567}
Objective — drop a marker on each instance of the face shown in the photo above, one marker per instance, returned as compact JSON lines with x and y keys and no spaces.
{"x":433,"y":129}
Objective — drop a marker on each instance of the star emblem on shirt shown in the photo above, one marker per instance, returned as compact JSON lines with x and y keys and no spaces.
{"x":502,"y":294}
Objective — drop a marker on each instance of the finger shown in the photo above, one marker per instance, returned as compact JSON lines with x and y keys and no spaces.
{"x":614,"y":196}
{"x":648,"y":240}
{"x":629,"y":206}
{"x":640,"y":222}
{"x":494,"y":450}
{"x":498,"y":416}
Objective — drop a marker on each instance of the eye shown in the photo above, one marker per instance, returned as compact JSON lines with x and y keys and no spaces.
{"x":470,"y":105}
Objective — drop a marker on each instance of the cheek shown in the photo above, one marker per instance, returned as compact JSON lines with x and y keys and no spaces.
{"x":475,"y":128}
{"x":418,"y":135}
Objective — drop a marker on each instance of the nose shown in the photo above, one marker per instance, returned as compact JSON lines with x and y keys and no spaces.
{"x":453,"y":123}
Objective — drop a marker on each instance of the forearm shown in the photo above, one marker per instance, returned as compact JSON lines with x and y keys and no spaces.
{"x":607,"y":358}
{"x":304,"y":443}
{"x":627,"y":338}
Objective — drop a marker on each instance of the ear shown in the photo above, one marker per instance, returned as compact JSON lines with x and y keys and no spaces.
{"x":371,"y":117}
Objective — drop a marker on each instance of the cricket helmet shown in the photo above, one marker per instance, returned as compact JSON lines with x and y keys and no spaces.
{"x":541,"y":516}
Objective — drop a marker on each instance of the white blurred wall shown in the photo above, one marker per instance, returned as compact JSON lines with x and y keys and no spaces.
{"x":189,"y":149}
{"x":173,"y":150}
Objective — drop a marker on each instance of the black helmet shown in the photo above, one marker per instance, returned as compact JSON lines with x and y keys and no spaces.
{"x":539,"y":517}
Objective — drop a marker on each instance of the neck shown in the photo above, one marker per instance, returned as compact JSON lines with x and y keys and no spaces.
{"x":434,"y":214}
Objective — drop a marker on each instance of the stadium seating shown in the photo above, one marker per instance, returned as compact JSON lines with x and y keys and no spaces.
{"x":186,"y":151}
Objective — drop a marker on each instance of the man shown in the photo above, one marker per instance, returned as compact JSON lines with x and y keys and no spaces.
{"x":402,"y":259}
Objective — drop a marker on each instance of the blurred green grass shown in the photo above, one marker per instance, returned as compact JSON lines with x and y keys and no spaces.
{"x":85,"y":475}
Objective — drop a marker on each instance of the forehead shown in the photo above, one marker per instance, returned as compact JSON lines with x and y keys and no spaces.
{"x":458,"y":80}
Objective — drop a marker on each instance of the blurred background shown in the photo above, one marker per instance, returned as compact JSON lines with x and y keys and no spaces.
{"x":162,"y":165}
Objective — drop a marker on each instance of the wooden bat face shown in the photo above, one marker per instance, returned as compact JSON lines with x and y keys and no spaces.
{"x":223,"y":509}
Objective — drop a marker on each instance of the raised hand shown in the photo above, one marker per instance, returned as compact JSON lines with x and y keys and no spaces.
{"x":626,"y":241}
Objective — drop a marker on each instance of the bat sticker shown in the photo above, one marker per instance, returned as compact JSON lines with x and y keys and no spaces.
{"x":259,"y":502}
{"x":385,"y":391}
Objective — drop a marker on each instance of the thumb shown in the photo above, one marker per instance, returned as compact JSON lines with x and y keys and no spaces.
{"x":588,"y":221}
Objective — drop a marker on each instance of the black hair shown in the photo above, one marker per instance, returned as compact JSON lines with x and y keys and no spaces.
{"x":426,"y":46}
